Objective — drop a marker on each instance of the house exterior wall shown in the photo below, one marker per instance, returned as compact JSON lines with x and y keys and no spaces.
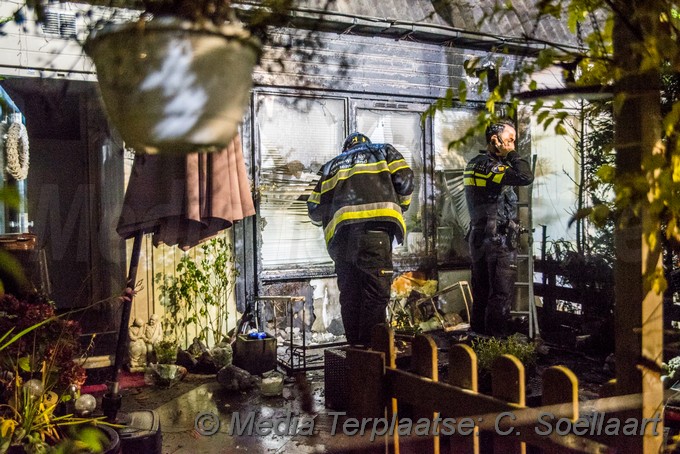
{"x":368,"y":64}
{"x":53,"y":50}
{"x":371,"y":64}
{"x":370,"y":73}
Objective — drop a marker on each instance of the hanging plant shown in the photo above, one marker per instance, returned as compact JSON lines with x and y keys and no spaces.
{"x":174,"y":86}
{"x":178,"y":80}
{"x":16,"y":151}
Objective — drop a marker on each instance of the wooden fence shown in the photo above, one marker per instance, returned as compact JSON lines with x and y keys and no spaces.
{"x":164,"y":259}
{"x":500,"y":422}
{"x":594,"y":301}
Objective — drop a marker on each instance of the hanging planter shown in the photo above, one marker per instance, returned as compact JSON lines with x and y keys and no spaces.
{"x":174,"y":86}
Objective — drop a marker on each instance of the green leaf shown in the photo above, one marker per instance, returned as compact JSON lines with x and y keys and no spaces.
{"x":606,"y":173}
{"x":24,"y":363}
{"x":22,"y":333}
{"x":580,"y":214}
{"x":547,"y":122}
{"x":600,"y":214}
{"x":672,"y":119}
{"x":560,"y":129}
{"x":462,"y":91}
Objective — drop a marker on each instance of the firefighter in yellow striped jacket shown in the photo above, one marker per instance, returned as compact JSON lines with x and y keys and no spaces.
{"x":359,"y":201}
{"x":489,"y":179}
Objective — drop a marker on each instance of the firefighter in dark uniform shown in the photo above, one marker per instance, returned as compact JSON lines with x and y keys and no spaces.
{"x":359,"y":201}
{"x":492,"y":202}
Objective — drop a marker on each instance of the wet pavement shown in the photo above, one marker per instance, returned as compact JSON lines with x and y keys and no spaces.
{"x":198,"y":415}
{"x":205,"y":418}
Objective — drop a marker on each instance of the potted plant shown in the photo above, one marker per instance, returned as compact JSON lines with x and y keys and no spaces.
{"x":31,"y":421}
{"x":166,"y":351}
{"x":178,"y":79}
{"x":164,"y":372}
{"x":40,"y":380}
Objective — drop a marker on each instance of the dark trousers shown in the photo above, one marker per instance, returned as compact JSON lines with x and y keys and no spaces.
{"x":364,"y":270}
{"x":493,"y":280}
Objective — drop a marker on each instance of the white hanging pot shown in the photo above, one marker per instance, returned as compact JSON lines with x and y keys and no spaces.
{"x":174,"y":86}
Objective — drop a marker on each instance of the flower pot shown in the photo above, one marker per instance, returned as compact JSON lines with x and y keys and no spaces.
{"x":164,"y":375}
{"x":111,"y":445}
{"x":170,"y":85}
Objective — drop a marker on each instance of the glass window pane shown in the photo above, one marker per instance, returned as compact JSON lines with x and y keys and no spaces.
{"x":296,"y":136}
{"x":451,"y":215}
{"x":555,"y":188}
{"x":404,"y":131}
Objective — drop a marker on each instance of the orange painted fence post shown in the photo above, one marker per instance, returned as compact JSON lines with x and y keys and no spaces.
{"x":463,"y":374}
{"x":506,"y":425}
{"x":508,"y":384}
{"x":425,"y":364}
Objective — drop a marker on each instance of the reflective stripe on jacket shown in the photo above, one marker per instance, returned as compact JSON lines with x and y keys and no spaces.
{"x":369,"y":182}
{"x":488,"y":182}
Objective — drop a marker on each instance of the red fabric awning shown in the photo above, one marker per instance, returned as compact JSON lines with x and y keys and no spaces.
{"x":186,"y":199}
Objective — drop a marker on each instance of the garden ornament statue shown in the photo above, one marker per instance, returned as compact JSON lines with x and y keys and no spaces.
{"x":137,"y":347}
{"x":153,"y":334}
